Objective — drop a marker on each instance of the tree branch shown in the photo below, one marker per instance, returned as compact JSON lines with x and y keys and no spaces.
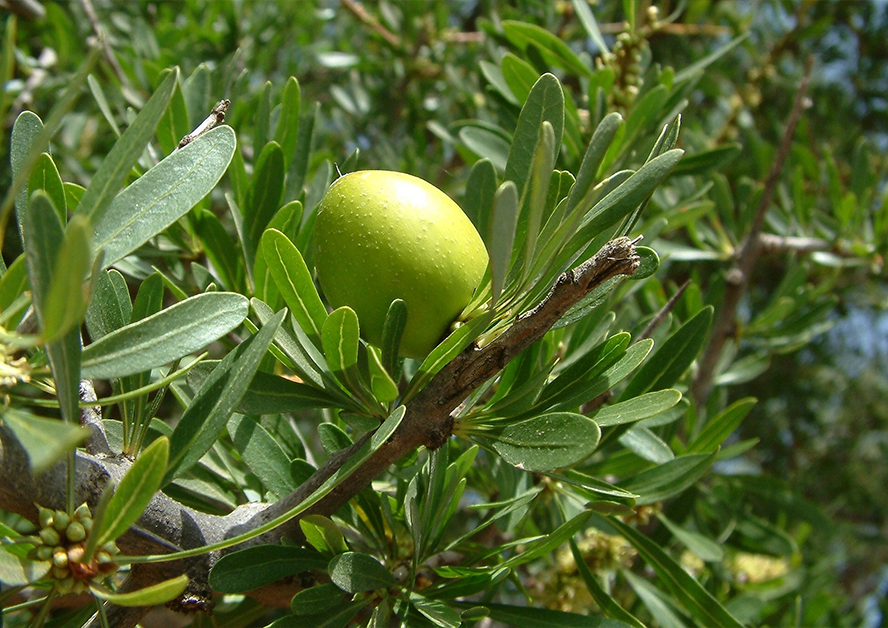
{"x":166,"y":525}
{"x":747,"y":255}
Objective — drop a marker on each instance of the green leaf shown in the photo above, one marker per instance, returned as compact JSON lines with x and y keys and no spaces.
{"x":392,"y":330}
{"x":436,"y":611}
{"x":68,"y":295}
{"x":297,"y":348}
{"x":487,"y":143}
{"x":547,"y":442}
{"x":45,"y":176}
{"x":257,"y":566}
{"x":722,"y":425}
{"x":339,"y":618}
{"x":135,"y":491}
{"x":270,"y":394}
{"x":587,"y":19}
{"x":17,"y":571}
{"x":126,"y":151}
{"x":668,"y":479}
{"x":166,"y":336}
{"x":645,"y":444}
{"x":263,"y":196}
{"x":529,"y":617}
{"x":480,"y":191}
{"x":213,"y":404}
{"x":162,"y":195}
{"x":705,"y":161}
{"x":673,"y":358}
{"x":519,"y":76}
{"x":222,"y":252}
{"x":25,"y":130}
{"x":553,"y":50}
{"x":44,"y":440}
{"x":703,"y":63}
{"x":324,"y":535}
{"x":605,"y":602}
{"x":355,"y":572}
{"x":43,"y":240}
{"x":99,"y":95}
{"x":262,"y":454}
{"x":293,"y":279}
{"x":503,"y":225}
{"x":697,"y":600}
{"x":637,"y":408}
{"x":340,"y":338}
{"x":702,"y":546}
{"x":544,"y":103}
{"x":287,"y":131}
{"x":381,"y":383}
{"x":12,"y":285}
{"x":649,"y":263}
{"x":318,"y":599}
{"x":173,"y":126}
{"x":149,"y":596}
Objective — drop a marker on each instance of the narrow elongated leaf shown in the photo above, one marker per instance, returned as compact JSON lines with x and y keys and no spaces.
{"x":544,"y":103}
{"x":323,"y":535}
{"x":519,"y":76}
{"x":44,"y":440}
{"x":162,"y":195}
{"x":213,"y":404}
{"x":166,"y":336}
{"x":708,"y":160}
{"x":293,"y":280}
{"x":262,"y":454}
{"x":503,"y":225}
{"x":263,"y":197}
{"x":355,"y":572}
{"x":674,"y":356}
{"x":701,"y":64}
{"x":638,"y":408}
{"x":99,"y":95}
{"x":317,"y":600}
{"x":135,"y":490}
{"x":126,"y":151}
{"x":338,"y":618}
{"x":13,"y":283}
{"x":587,"y":19}
{"x":480,"y":190}
{"x":173,"y":126}
{"x":381,"y":383}
{"x":149,"y":596}
{"x":392,"y":330}
{"x":553,"y":50}
{"x":296,"y":349}
{"x":287,"y":131}
{"x":254,"y":567}
{"x":701,"y":604}
{"x":68,"y":296}
{"x":25,"y":130}
{"x":645,"y":444}
{"x":547,"y":442}
{"x":270,"y":394}
{"x":43,"y":240}
{"x":668,"y":479}
{"x":45,"y":176}
{"x":719,"y":427}
{"x":436,"y":611}
{"x":702,"y":546}
{"x":604,"y":601}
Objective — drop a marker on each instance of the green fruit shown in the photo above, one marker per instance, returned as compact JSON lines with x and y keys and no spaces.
{"x":381,"y":236}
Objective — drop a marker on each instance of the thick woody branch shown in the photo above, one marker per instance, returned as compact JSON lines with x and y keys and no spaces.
{"x":166,"y":525}
{"x":747,"y":255}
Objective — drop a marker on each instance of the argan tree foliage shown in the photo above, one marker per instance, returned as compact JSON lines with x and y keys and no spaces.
{"x":673,"y":197}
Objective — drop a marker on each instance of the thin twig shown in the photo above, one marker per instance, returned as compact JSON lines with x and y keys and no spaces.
{"x":664,"y":311}
{"x":360,"y":12}
{"x":107,"y":52}
{"x":216,"y":117}
{"x":748,"y":254}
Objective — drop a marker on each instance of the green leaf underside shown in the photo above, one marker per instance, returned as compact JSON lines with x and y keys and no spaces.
{"x":149,"y":596}
{"x":44,"y":440}
{"x":168,"y":335}
{"x":355,"y":572}
{"x":547,"y":442}
{"x":164,"y":194}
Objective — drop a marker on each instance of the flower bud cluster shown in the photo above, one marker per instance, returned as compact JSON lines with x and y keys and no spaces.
{"x":62,"y":541}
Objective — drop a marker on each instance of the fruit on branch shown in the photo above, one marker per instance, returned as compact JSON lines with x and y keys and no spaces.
{"x":381,"y":236}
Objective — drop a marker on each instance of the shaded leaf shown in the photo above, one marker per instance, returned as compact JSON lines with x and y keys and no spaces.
{"x":44,"y":440}
{"x":547,"y":442}
{"x":253,"y":567}
{"x":355,"y":572}
{"x":149,"y":596}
